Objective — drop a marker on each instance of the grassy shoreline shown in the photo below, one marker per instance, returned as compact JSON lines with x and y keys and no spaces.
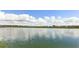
{"x":23,"y":26}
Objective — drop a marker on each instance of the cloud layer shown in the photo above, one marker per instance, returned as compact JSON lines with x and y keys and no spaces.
{"x":26,"y":19}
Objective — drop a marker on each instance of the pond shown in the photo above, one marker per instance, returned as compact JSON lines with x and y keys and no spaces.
{"x":39,"y":38}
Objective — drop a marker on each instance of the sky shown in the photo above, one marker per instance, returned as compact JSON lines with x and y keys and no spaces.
{"x":42,"y":13}
{"x":40,"y":17}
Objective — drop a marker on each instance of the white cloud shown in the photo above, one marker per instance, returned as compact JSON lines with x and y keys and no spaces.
{"x":1,"y":12}
{"x":53,"y":17}
{"x":26,"y":19}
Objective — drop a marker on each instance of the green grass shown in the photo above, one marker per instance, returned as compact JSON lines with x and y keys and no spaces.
{"x":3,"y":44}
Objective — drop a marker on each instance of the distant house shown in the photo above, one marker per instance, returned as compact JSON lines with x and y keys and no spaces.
{"x":53,"y":25}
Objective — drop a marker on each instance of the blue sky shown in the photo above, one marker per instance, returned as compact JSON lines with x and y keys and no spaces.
{"x":42,"y":13}
{"x":31,"y":17}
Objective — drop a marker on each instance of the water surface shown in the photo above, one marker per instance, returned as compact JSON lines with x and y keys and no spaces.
{"x":39,"y":38}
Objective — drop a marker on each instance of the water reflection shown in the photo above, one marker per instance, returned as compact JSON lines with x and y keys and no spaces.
{"x":26,"y":33}
{"x":41,"y":37}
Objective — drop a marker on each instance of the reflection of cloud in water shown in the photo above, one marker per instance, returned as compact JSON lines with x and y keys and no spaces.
{"x":29,"y":33}
{"x":69,"y":32}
